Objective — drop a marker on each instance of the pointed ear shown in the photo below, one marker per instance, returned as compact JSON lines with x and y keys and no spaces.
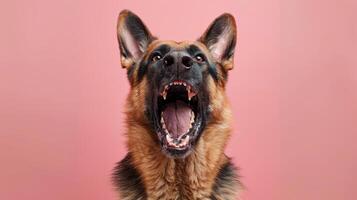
{"x":133,"y":38}
{"x":220,"y":38}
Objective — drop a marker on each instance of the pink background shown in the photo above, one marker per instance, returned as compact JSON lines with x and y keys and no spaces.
{"x":293,"y":92}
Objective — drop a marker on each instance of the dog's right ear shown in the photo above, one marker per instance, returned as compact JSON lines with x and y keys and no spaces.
{"x":133,"y":38}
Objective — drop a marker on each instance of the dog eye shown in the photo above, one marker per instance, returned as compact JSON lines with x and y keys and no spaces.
{"x":199,"y":58}
{"x":156,"y":57}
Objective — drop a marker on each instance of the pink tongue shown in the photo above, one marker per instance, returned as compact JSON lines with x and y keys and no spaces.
{"x":177,"y":117}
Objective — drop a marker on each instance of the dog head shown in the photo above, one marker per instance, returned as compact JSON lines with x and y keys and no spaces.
{"x":177,"y":88}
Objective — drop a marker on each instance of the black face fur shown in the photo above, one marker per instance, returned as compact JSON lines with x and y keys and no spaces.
{"x":188,"y":68}
{"x":177,"y":76}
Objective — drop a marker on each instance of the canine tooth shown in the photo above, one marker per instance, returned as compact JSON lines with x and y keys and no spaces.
{"x":168,"y":138}
{"x":164,"y":94}
{"x":162,"y":119}
{"x":185,"y":141}
{"x":171,"y":84}
{"x":184,"y":84}
{"x":190,"y":95}
{"x":164,"y":127}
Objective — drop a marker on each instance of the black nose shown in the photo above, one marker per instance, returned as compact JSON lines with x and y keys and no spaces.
{"x":181,"y":60}
{"x":187,"y":61}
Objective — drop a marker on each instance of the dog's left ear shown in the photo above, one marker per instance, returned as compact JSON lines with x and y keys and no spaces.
{"x":133,"y":37}
{"x":220,"y":38}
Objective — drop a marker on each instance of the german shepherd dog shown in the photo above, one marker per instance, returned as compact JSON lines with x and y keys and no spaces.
{"x":177,"y":114}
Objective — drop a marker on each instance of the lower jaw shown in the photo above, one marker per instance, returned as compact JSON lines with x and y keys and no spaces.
{"x":175,"y":151}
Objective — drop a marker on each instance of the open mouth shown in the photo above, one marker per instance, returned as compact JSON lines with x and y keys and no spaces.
{"x":179,"y":115}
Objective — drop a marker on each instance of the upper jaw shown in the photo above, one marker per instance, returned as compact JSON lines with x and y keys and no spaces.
{"x":189,"y":88}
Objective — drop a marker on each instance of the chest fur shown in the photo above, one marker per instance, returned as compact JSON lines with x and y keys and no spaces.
{"x":178,"y":180}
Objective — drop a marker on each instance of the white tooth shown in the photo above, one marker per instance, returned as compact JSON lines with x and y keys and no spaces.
{"x":168,"y":138}
{"x":164,"y":95}
{"x":184,"y":84}
{"x":185,"y":142}
{"x":163,"y":124}
{"x":190,"y":95}
{"x":171,"y":84}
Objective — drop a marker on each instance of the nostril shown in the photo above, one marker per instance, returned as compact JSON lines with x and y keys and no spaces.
{"x":187,"y":62}
{"x":168,"y":60}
